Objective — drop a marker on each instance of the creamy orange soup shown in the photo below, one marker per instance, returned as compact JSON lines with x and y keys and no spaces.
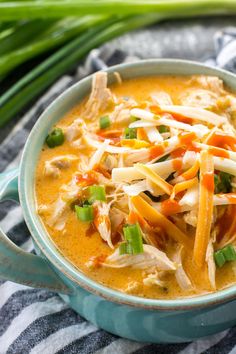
{"x":136,"y":187}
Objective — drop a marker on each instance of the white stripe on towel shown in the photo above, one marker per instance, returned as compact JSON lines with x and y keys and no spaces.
{"x":13,"y":218}
{"x":8,"y":289}
{"x":201,"y":345}
{"x":27,"y":316}
{"x":121,"y":346}
{"x":62,"y":338}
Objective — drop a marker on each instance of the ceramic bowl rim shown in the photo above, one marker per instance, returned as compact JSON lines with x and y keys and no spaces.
{"x":65,"y":266}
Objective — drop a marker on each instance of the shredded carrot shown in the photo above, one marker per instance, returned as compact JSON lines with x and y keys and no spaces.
{"x":221,"y":140}
{"x":98,"y":168}
{"x":156,"y":151}
{"x":187,"y":138}
{"x":170,"y":206}
{"x":218,"y":152}
{"x":181,"y":186}
{"x":191,"y":172}
{"x":154,"y":177}
{"x":87,"y":178}
{"x":231,"y":197}
{"x":205,"y":212}
{"x":134,"y":143}
{"x":181,"y":118}
{"x":157,"y":219}
{"x":155,"y":109}
{"x":134,"y":217}
{"x":177,"y":164}
{"x":179,"y":152}
{"x":115,"y":133}
{"x":141,"y":134}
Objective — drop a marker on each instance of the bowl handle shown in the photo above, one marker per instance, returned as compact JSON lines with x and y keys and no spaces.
{"x":17,"y":265}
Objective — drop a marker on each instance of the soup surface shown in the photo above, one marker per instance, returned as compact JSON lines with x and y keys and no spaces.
{"x":136,"y":185}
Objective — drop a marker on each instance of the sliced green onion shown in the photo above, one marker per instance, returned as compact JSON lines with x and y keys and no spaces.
{"x":216,"y":183}
{"x":226,"y":181}
{"x":84,"y":213}
{"x":229,"y":253}
{"x":55,"y":138}
{"x":133,"y":236}
{"x":130,"y":133}
{"x":123,"y":248}
{"x":163,"y":129}
{"x":104,"y":122}
{"x":219,"y":258}
{"x":222,"y":182}
{"x":97,"y":193}
{"x":86,"y":202}
{"x":226,"y":254}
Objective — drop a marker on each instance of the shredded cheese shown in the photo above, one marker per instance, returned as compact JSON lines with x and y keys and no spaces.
{"x":205,"y":212}
{"x":156,"y":218}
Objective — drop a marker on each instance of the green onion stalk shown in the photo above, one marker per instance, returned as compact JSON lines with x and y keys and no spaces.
{"x":66,"y":58}
{"x":46,"y":9}
{"x":21,"y":33}
{"x":58,"y":35}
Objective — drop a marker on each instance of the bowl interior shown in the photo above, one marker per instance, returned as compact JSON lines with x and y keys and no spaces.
{"x":55,"y":112}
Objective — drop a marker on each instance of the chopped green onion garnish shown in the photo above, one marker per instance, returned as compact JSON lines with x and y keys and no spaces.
{"x":84,"y":213}
{"x":163,"y":129}
{"x":226,"y":254}
{"x":219,"y":258}
{"x":222,"y":182}
{"x":130,"y":133}
{"x":97,"y":193}
{"x":123,"y":248}
{"x":104,"y":122}
{"x":229,"y":253}
{"x":55,"y":138}
{"x":216,"y":182}
{"x":226,"y":181}
{"x":133,"y":236}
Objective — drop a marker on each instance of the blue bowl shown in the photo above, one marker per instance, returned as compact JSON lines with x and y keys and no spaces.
{"x":141,"y":319}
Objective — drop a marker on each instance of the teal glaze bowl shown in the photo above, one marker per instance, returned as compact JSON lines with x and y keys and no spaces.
{"x":136,"y":318}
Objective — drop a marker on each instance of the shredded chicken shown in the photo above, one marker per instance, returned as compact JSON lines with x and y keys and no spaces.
{"x":117,"y":217}
{"x":53,"y":166}
{"x":211,"y":264}
{"x":161,"y":97}
{"x":180,"y":274}
{"x":151,"y":257}
{"x":199,"y":98}
{"x":110,"y":162}
{"x":59,"y":213}
{"x":74,"y":130}
{"x":100,"y":97}
{"x":102,"y":221}
{"x":121,"y":113}
{"x":212,"y":83}
{"x":191,"y":217}
{"x":153,"y":279}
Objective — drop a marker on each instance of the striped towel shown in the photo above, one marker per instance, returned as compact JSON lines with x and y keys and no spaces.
{"x":38,"y":321}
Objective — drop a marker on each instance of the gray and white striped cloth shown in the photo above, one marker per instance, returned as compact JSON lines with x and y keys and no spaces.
{"x":38,"y":321}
